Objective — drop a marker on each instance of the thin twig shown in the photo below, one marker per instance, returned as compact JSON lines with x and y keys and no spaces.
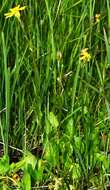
{"x":12,"y":147}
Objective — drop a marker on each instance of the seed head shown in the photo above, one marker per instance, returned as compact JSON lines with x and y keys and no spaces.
{"x":59,"y":55}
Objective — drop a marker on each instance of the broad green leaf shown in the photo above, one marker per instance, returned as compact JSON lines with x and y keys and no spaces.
{"x":79,"y":144}
{"x":51,"y":153}
{"x":76,"y":171}
{"x":4,"y":165}
{"x":53,"y":120}
{"x":51,"y":123}
{"x":26,"y":180}
{"x":102,"y":159}
{"x":40,"y":168}
{"x":14,"y":167}
{"x":30,"y":159}
{"x":69,"y":128}
{"x":37,"y":174}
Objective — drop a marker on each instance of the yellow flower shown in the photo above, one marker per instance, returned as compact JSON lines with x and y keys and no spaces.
{"x":97,"y":18}
{"x":16,"y":177}
{"x":84,"y":55}
{"x":15,"y":12}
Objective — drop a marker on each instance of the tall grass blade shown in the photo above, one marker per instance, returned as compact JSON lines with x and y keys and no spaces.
{"x":7,"y":94}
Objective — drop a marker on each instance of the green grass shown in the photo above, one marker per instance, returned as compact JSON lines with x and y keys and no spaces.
{"x":54,"y":108}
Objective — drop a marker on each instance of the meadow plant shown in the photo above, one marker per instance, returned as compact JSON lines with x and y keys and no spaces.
{"x":55,"y":94}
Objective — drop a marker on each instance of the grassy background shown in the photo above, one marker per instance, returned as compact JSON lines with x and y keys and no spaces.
{"x":55,"y":113}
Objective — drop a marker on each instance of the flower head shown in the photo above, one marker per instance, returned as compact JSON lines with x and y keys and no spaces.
{"x":16,"y":177}
{"x":97,"y":18}
{"x":15,"y":12}
{"x":59,"y":55}
{"x":84,"y":55}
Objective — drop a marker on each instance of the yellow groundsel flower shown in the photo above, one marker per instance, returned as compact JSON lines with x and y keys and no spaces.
{"x":97,"y":18}
{"x":15,"y":12}
{"x":84,"y":55}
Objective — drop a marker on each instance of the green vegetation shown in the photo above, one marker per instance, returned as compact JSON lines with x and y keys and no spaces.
{"x":54,"y":101}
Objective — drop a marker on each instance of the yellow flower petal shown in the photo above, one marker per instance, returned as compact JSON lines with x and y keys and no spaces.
{"x":97,"y":18}
{"x":84,"y":55}
{"x":14,"y":9}
{"x":22,"y":8}
{"x":17,"y":14}
{"x":7,"y":15}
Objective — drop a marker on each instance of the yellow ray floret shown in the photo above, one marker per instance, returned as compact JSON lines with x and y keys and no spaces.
{"x":97,"y":18}
{"x":15,"y":12}
{"x":84,"y":55}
